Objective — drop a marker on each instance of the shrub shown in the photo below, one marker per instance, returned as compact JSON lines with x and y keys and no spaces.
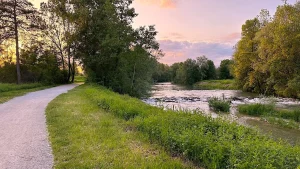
{"x":289,"y":114}
{"x":219,"y":105}
{"x":257,"y":109}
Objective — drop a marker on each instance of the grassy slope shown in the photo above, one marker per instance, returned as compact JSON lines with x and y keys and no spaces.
{"x":84,"y":136}
{"x":216,"y":85}
{"x":9,"y":91}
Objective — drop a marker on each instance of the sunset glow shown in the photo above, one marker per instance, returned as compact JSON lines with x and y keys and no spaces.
{"x":192,"y":28}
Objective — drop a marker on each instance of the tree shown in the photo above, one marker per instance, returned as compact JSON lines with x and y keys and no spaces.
{"x":162,"y":73}
{"x":266,"y":59}
{"x":58,"y":34}
{"x":113,"y":53}
{"x":16,"y":15}
{"x":224,"y":70}
{"x":245,"y":52}
{"x":211,"y":71}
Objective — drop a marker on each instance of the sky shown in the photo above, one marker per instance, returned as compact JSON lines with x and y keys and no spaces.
{"x":193,"y":28}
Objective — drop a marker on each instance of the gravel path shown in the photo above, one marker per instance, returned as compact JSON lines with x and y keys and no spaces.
{"x":23,"y":134}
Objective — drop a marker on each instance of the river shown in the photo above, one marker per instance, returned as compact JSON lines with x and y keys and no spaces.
{"x":170,"y":96}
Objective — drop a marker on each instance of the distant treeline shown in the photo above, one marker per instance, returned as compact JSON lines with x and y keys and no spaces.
{"x":192,"y":71}
{"x":267,"y":58}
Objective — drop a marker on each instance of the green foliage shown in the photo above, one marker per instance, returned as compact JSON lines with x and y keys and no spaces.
{"x":219,"y":105}
{"x":266,"y":59}
{"x":283,"y":118}
{"x":6,"y":87}
{"x":113,"y":53}
{"x":225,"y":69}
{"x":192,"y":71}
{"x":9,"y":91}
{"x":84,"y":136}
{"x":162,"y":73}
{"x":8,"y":73}
{"x":290,"y":124}
{"x":80,"y":79}
{"x":211,"y":143}
{"x":257,"y":109}
{"x":216,"y":85}
{"x":211,"y":71}
{"x":289,"y":114}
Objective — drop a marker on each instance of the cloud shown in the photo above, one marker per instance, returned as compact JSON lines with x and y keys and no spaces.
{"x":161,"y":3}
{"x":179,"y":51}
{"x":174,"y":36}
{"x":232,"y":38}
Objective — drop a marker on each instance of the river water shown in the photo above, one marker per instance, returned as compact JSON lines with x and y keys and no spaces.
{"x":175,"y":97}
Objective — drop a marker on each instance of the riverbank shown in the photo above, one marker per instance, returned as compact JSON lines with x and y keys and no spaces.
{"x":79,"y":135}
{"x":216,"y":85}
{"x":85,"y":136}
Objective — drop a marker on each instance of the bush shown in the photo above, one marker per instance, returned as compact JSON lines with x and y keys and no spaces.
{"x":219,"y":105}
{"x":211,"y":143}
{"x":257,"y":109}
{"x":289,"y":114}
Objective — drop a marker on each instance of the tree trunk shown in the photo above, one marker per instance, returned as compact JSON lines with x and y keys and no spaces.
{"x":69,"y":57}
{"x":17,"y":45}
{"x":73,"y":70}
{"x":133,"y":77}
{"x":69,"y":63}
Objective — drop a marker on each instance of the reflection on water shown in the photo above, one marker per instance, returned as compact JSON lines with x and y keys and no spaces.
{"x":177,"y":97}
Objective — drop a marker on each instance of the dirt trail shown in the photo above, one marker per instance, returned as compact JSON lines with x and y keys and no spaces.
{"x":23,"y":134}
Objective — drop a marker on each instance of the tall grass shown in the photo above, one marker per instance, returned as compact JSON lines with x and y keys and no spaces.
{"x":219,"y":105}
{"x":283,"y":118}
{"x":257,"y":109}
{"x":6,"y":87}
{"x":86,"y":137}
{"x":269,"y":110}
{"x":211,"y":143}
{"x":289,"y":114}
{"x":216,"y":85}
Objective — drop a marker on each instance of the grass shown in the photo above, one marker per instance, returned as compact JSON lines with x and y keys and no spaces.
{"x":85,"y":136}
{"x":257,"y":109}
{"x":79,"y":79}
{"x":9,"y":91}
{"x":87,"y":131}
{"x":216,"y":85}
{"x":268,"y":112}
{"x":219,"y":105}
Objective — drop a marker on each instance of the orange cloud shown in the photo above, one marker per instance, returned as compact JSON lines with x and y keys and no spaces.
{"x":161,"y":3}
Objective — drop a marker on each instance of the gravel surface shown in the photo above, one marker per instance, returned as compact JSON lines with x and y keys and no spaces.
{"x":23,"y":133}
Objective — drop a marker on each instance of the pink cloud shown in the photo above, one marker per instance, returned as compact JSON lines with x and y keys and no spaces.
{"x":172,"y":57}
{"x":161,"y":3}
{"x":179,"y":51}
{"x":233,"y":37}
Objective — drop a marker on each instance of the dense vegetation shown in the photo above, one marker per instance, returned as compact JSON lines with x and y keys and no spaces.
{"x":84,"y":136}
{"x":267,"y":57}
{"x":219,"y":105}
{"x":211,"y":143}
